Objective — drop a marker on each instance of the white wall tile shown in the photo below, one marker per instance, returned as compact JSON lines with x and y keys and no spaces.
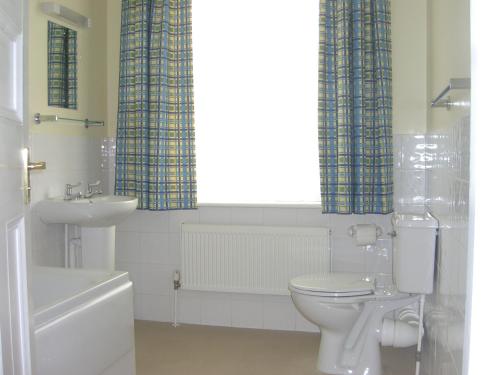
{"x":409,"y":188}
{"x":346,"y":257}
{"x":247,"y":311}
{"x":340,"y":224}
{"x":438,"y":191}
{"x":157,"y":308}
{"x":215,"y":215}
{"x":128,"y":247}
{"x":174,"y":249}
{"x":312,"y":217}
{"x":216,"y":309}
{"x":278,"y":313}
{"x":413,"y":152}
{"x":154,"y":247}
{"x":133,"y":223}
{"x":177,"y":217}
{"x":382,"y":221}
{"x":279,"y":216}
{"x":156,"y":279}
{"x":378,"y":258}
{"x":154,"y":221}
{"x":397,"y":144}
{"x":189,"y":309}
{"x":247,"y":215}
{"x":107,"y":181}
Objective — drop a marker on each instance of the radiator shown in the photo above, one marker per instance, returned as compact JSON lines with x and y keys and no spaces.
{"x":250,"y":259}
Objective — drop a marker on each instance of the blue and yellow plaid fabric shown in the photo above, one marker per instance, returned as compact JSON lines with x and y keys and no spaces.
{"x":355,"y":106}
{"x":62,"y":72}
{"x":155,"y":158}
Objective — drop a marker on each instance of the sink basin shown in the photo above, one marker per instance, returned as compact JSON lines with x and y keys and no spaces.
{"x":99,"y":211}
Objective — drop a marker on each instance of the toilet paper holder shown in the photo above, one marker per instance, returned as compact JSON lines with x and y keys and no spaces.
{"x":352,"y":230}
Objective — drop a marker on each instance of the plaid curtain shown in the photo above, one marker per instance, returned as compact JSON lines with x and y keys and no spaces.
{"x":155,"y":156}
{"x":62,"y":76}
{"x":355,"y":106}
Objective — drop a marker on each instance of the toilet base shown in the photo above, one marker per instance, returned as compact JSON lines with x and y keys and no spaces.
{"x":350,"y":329}
{"x":331,"y":364}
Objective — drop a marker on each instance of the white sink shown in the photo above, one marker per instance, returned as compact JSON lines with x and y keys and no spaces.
{"x":99,"y":211}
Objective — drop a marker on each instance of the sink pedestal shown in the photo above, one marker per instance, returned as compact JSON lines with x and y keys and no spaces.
{"x":98,"y":247}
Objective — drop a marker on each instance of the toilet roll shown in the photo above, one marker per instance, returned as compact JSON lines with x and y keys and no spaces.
{"x":365,"y":234}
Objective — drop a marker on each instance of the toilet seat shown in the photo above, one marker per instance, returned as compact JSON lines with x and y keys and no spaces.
{"x":336,"y":284}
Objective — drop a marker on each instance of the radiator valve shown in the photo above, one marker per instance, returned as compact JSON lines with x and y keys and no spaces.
{"x":177,"y":279}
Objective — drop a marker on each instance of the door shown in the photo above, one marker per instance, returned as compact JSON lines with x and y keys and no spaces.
{"x":14,"y":312}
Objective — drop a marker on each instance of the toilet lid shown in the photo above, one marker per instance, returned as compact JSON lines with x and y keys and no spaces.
{"x":339,"y":284}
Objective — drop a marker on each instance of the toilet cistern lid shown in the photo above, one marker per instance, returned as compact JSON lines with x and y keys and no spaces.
{"x":339,"y":284}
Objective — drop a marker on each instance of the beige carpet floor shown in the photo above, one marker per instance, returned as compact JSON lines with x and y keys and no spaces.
{"x":193,"y":349}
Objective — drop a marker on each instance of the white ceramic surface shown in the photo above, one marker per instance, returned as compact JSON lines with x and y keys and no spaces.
{"x":83,"y":322}
{"x":351,"y":324}
{"x":99,"y":211}
{"x":339,"y":318}
{"x":414,"y":252}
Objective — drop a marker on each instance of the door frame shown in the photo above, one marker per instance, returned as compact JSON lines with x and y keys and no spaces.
{"x":482,"y":329}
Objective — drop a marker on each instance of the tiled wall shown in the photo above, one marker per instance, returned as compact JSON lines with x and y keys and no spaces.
{"x":410,"y":154}
{"x":448,"y":200}
{"x":70,"y":159}
{"x":148,"y":246}
{"x":432,"y":172}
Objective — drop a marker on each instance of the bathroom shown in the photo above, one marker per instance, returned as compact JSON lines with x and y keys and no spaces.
{"x":155,"y":290}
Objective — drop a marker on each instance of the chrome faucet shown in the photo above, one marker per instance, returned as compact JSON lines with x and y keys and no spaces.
{"x":92,"y":189}
{"x":69,"y":196}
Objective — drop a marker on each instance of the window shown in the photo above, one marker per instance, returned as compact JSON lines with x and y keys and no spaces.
{"x":255,"y":78}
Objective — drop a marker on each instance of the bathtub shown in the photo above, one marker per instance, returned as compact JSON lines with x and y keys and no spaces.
{"x":83,"y":322}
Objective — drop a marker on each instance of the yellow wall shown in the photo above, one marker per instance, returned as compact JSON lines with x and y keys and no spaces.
{"x":92,"y":88}
{"x":449,"y":56}
{"x":113,"y":62}
{"x":409,"y":64}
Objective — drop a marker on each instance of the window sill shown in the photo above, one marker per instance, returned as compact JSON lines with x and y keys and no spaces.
{"x":262,"y":205}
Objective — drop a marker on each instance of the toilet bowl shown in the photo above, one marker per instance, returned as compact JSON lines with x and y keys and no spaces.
{"x":349,"y":312}
{"x":349,"y":309}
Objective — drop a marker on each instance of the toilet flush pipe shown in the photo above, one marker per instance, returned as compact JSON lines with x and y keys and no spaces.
{"x":406,"y":329}
{"x":398,"y":334}
{"x":420,"y":335}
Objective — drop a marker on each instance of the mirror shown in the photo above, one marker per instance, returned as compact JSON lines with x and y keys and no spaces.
{"x":62,"y":69}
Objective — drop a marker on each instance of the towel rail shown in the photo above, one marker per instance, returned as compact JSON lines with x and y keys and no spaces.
{"x":38,"y":118}
{"x":455,"y":84}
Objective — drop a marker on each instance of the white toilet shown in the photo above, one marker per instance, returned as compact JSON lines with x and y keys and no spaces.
{"x":350,"y":309}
